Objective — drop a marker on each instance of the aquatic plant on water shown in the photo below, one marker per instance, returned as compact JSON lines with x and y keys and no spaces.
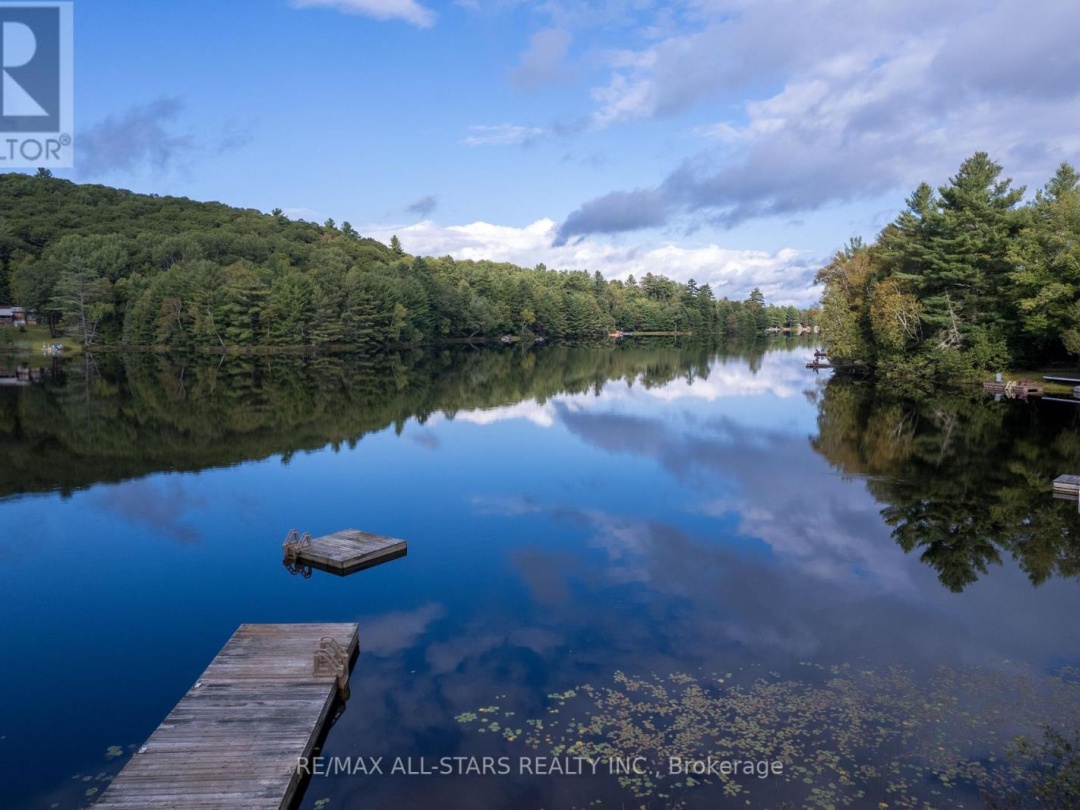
{"x":847,"y":736}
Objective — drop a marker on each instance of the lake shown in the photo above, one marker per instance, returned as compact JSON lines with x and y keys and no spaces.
{"x":647,"y":553}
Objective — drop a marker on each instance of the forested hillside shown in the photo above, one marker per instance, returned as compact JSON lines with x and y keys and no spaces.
{"x":964,"y":280}
{"x":114,"y":267}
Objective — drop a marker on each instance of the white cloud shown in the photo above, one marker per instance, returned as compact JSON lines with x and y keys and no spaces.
{"x":626,"y":541}
{"x":408,"y":10}
{"x":833,"y":101}
{"x":783,"y":276}
{"x":829,"y":543}
{"x":540,"y":415}
{"x":627,"y":96}
{"x":503,"y":135}
{"x":309,"y":214}
{"x":392,"y":632}
{"x":725,"y":381}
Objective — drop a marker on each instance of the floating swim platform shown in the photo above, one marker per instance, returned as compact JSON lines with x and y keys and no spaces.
{"x":343,"y":552}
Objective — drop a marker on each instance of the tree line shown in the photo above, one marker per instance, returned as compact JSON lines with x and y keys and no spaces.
{"x":965,"y":279}
{"x":118,"y":268}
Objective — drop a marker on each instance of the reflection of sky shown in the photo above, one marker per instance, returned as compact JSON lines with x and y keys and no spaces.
{"x":685,"y":527}
{"x":770,"y":397}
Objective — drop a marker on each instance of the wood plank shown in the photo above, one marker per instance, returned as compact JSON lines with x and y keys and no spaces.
{"x":351,"y":550}
{"x":235,"y":737}
{"x":1067,"y":487}
{"x":1014,"y":388}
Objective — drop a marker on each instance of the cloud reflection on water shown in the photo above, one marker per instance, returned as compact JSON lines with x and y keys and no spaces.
{"x":725,"y":544}
{"x":159,"y":506}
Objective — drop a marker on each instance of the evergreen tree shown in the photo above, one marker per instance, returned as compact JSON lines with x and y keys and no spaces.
{"x":82,"y":293}
{"x":962,"y":280}
{"x":967,"y":256}
{"x":1045,"y":259}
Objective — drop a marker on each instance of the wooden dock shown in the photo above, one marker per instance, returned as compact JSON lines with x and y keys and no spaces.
{"x":1067,"y":487}
{"x":1015,"y":388}
{"x":235,"y":738}
{"x":343,"y":552}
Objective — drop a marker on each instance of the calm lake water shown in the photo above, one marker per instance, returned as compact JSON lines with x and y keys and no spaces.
{"x":654,"y":550}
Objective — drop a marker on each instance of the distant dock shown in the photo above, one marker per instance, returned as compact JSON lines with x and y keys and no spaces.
{"x":1067,"y":487}
{"x":235,"y":738}
{"x":1020,"y":389}
{"x":342,"y":552}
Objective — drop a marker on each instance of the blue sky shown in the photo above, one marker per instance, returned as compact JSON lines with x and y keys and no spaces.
{"x":738,"y":142}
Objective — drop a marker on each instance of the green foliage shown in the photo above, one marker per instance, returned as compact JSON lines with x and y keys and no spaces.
{"x":1045,"y":260}
{"x":86,"y":267}
{"x":963,"y":280}
{"x":148,"y":271}
{"x":845,"y":303}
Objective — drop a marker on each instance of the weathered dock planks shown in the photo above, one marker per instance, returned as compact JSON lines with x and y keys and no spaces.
{"x":235,"y":737}
{"x":1067,"y":487}
{"x":342,"y":552}
{"x":1014,"y":388}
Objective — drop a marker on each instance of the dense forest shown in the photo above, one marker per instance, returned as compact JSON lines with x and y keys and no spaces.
{"x":117,"y":268}
{"x":964,"y":280}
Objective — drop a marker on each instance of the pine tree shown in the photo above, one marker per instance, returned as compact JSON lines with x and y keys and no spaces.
{"x":968,"y":255}
{"x":1045,"y":258}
